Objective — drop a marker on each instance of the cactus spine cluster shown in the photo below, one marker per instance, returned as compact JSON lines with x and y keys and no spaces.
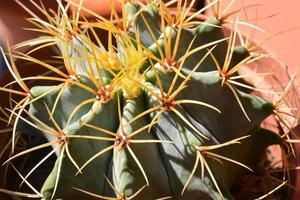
{"x":160,"y":111}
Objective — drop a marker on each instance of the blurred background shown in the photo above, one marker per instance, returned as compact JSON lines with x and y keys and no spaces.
{"x":280,"y":18}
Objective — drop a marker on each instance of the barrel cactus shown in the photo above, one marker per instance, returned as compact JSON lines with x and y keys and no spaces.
{"x":160,"y":111}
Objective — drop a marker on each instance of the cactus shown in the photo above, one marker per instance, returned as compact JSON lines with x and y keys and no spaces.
{"x":159,"y":112}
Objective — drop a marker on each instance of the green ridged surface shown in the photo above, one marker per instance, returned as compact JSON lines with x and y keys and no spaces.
{"x":167,"y":165}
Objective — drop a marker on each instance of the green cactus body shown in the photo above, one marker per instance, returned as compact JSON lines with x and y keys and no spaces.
{"x":152,"y":124}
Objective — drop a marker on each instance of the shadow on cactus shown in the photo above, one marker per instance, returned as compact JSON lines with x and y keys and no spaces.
{"x":158,"y":111}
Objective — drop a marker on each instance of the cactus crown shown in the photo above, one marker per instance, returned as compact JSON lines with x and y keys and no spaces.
{"x":159,"y":110}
